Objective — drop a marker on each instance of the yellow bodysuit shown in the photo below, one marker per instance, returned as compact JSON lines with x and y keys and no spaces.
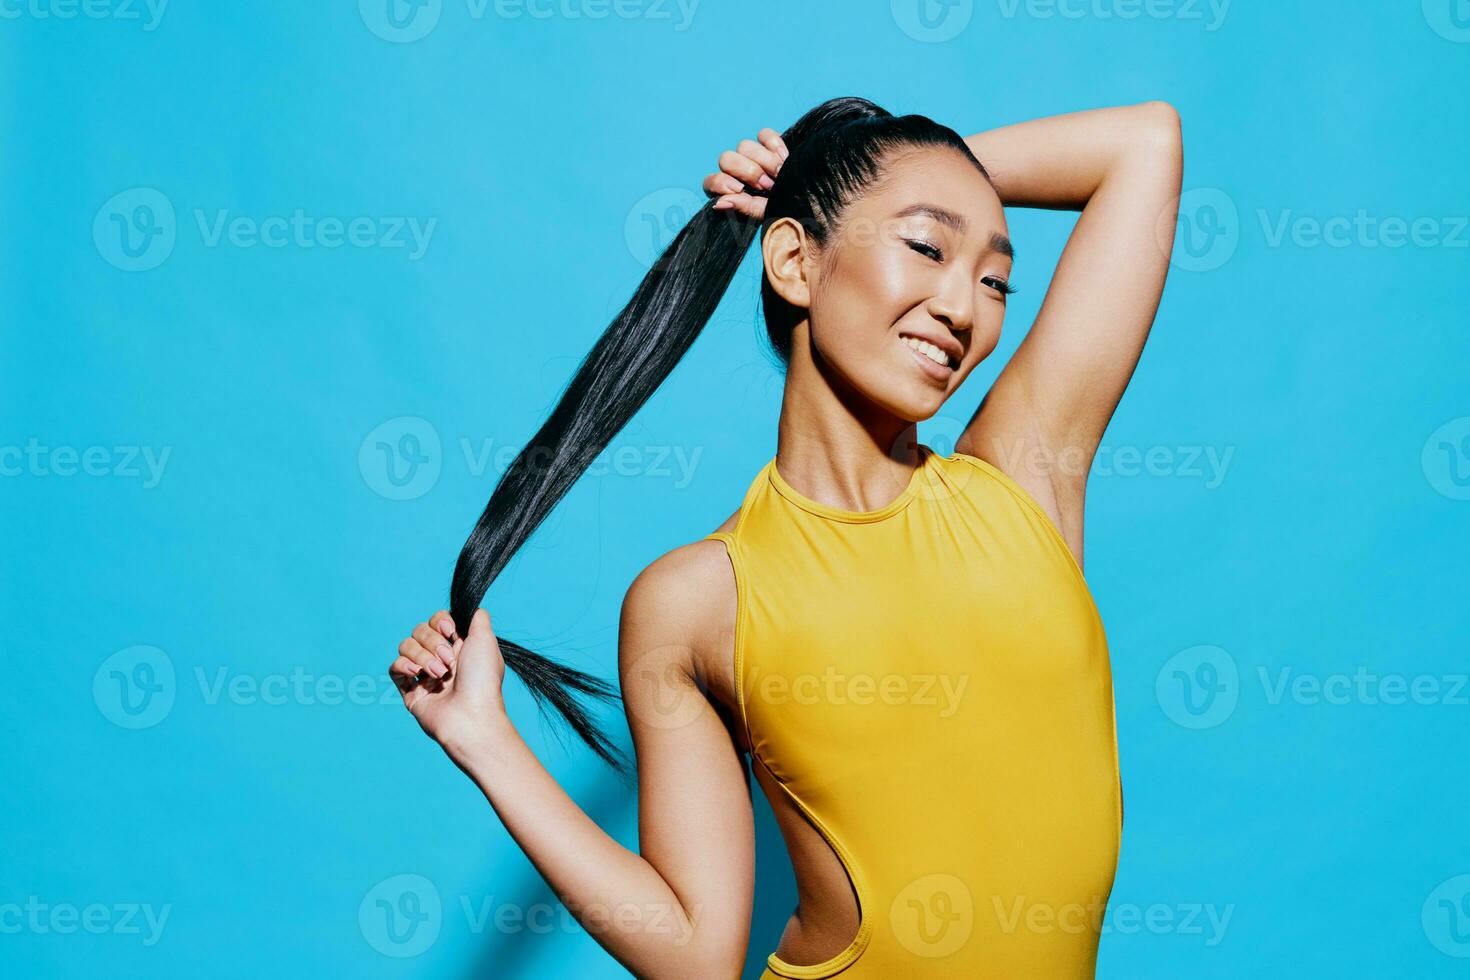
{"x":929,"y":683}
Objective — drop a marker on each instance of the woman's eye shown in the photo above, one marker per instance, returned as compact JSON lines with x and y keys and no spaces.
{"x":925,"y":248}
{"x":995,"y":282}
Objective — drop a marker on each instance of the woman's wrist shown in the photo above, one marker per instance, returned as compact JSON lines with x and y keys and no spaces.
{"x":480,"y":744}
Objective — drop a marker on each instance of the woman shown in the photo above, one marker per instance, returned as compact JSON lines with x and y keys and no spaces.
{"x":901,"y":642}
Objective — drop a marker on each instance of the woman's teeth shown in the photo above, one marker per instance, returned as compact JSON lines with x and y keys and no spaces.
{"x":928,"y":350}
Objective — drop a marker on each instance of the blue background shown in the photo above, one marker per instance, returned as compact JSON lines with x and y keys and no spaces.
{"x":547,"y":150}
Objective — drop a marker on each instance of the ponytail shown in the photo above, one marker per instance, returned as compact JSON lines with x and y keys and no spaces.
{"x":624,"y":368}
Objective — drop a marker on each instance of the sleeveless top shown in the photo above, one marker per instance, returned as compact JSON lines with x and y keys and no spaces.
{"x":929,"y":684}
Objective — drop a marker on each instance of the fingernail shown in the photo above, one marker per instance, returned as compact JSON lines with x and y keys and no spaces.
{"x":446,"y":626}
{"x":446,"y":654}
{"x":765,"y":183}
{"x":724,"y":204}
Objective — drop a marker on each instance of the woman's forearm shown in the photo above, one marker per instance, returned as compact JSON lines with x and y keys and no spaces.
{"x":1060,"y":161}
{"x":619,"y":898}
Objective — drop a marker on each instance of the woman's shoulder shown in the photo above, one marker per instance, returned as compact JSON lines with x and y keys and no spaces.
{"x":686,"y":595}
{"x":680,"y":612}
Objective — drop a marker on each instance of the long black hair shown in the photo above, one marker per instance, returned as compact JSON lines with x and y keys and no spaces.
{"x":837,"y":149}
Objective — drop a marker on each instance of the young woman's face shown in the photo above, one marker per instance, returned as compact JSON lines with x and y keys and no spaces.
{"x":922,"y":257}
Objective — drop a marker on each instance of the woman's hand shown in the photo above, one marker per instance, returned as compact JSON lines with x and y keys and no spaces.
{"x":452,"y":685}
{"x":749,"y":165}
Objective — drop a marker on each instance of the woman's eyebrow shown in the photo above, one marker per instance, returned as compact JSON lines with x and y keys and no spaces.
{"x":998,"y":242}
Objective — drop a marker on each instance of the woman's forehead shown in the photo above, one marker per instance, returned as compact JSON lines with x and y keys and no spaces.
{"x":936,"y":183}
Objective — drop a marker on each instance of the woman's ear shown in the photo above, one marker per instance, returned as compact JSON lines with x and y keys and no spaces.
{"x":785,"y":249}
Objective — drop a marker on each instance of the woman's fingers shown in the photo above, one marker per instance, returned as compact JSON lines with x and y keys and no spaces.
{"x":770,"y":161}
{"x":428,"y":664}
{"x":754,"y":207}
{"x":405,"y":675}
{"x":722,"y":184}
{"x":444,"y":623}
{"x":744,"y":169}
{"x":433,"y":641}
{"x":772,"y":140}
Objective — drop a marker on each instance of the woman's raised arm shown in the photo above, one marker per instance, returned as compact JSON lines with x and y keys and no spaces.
{"x":1044,"y":418}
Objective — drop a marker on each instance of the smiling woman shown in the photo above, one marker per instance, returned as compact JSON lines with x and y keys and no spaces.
{"x":924,"y":842}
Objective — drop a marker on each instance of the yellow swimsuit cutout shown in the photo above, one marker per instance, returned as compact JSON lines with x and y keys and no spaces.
{"x":929,"y":683}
